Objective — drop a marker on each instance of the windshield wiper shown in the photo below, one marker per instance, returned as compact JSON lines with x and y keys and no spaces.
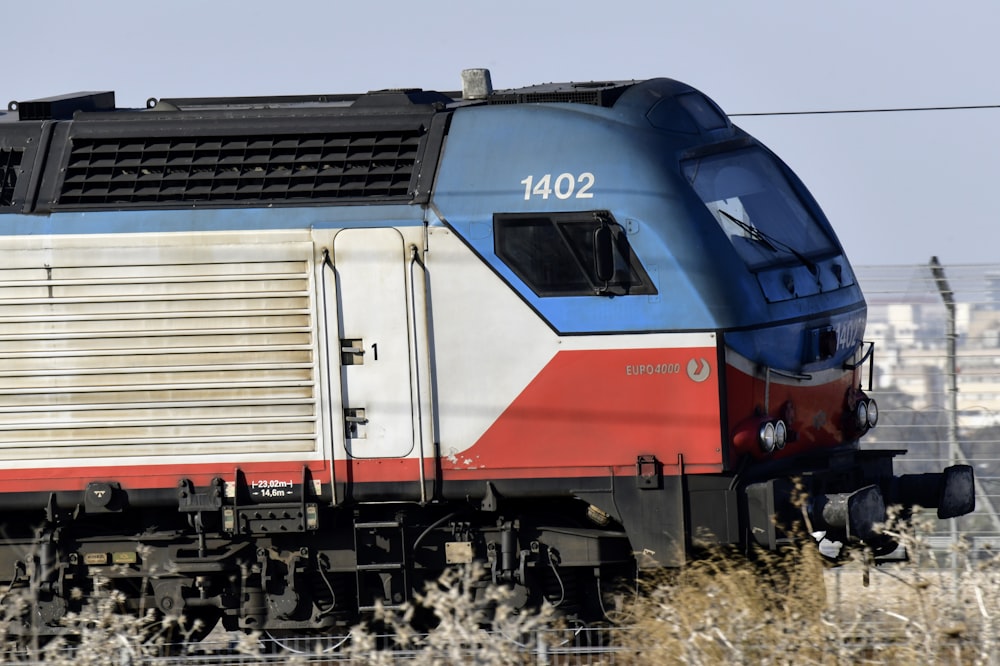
{"x":769,"y":242}
{"x":753,"y":233}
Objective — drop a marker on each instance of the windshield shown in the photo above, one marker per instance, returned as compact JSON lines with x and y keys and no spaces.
{"x":755,"y":206}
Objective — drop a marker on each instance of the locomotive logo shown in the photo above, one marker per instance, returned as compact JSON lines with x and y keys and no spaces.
{"x":696,"y":373}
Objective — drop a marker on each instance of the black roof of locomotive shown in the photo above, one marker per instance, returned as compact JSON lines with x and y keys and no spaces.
{"x":66,"y":107}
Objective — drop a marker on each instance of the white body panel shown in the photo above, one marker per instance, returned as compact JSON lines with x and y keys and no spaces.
{"x":488,"y":344}
{"x":376,"y":385}
{"x":373,"y":295}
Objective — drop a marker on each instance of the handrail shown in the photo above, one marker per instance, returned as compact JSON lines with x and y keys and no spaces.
{"x":415,"y":261}
{"x":328,"y":263}
{"x":854,"y":366}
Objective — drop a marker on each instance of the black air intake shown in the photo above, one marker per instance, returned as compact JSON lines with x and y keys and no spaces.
{"x":158,"y":171}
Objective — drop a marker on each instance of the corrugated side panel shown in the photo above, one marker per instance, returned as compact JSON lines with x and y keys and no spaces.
{"x":128,"y":352}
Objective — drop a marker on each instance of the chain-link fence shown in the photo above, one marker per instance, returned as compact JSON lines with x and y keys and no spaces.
{"x":936,"y":330}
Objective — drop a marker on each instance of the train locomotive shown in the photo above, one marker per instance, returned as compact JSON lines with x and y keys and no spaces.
{"x":279,"y":361}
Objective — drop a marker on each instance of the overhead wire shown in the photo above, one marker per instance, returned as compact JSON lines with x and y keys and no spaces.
{"x":969,"y":107}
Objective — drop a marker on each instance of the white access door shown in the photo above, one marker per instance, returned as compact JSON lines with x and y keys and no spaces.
{"x":374,"y":343}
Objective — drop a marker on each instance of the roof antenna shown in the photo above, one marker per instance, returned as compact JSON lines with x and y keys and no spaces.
{"x":476,"y":83}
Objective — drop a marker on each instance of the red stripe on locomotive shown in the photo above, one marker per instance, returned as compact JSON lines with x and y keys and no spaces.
{"x":605,"y":407}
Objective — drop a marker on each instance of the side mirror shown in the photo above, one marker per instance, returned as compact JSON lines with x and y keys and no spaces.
{"x":604,"y":253}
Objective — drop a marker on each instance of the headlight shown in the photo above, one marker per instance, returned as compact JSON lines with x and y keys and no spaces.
{"x":766,"y":437}
{"x":872,"y":414}
{"x":780,"y":434}
{"x":861,"y":415}
{"x":762,"y":434}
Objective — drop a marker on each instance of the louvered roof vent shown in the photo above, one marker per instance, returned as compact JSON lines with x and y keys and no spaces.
{"x":259,"y":168}
{"x":597,"y":93}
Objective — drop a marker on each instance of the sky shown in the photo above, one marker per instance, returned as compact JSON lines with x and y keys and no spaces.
{"x":898,"y":187}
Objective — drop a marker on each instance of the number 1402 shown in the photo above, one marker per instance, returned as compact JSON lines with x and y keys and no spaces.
{"x":563,"y":186}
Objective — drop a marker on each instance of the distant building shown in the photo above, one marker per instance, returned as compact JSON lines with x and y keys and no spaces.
{"x":911,"y":355}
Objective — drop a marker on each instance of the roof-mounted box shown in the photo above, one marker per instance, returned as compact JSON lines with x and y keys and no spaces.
{"x":62,"y":107}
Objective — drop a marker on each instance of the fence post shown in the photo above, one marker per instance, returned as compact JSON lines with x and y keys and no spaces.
{"x":948,"y":296}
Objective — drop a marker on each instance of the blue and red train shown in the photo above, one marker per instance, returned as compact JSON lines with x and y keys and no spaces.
{"x":277,"y":361}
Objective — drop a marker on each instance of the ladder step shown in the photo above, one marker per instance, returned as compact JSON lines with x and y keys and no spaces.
{"x":377,"y":524}
{"x":382,"y":566}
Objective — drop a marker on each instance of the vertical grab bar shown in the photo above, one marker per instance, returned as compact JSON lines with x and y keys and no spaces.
{"x":415,"y":261}
{"x":328,"y":263}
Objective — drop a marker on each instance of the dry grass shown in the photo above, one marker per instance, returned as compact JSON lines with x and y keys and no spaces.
{"x":727,"y":611}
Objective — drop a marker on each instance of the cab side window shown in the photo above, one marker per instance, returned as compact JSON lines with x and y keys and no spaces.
{"x":556,"y":254}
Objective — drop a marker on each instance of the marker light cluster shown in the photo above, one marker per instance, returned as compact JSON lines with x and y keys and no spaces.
{"x":773,"y":435}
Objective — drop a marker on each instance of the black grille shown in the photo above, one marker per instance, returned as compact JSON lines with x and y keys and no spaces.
{"x":10,"y":160}
{"x":358,"y":165}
